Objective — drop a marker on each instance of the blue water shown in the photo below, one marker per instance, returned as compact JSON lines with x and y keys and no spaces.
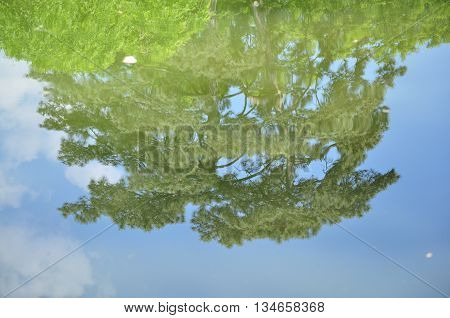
{"x":394,"y":244}
{"x":406,"y":221}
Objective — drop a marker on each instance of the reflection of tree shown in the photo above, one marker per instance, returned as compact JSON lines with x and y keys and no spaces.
{"x":298,"y":70}
{"x":268,"y":209}
{"x":126,"y":207}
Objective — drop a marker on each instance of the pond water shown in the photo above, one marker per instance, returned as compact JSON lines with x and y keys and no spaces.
{"x":224,"y":149}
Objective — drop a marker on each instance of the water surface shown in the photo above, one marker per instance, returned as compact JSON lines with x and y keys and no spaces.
{"x":265,"y":149}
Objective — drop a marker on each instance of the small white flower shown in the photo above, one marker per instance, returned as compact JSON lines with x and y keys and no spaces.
{"x":129,"y":60}
{"x":256,"y":4}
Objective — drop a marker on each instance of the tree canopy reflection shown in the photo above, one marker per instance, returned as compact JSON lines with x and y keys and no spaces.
{"x":260,"y":119}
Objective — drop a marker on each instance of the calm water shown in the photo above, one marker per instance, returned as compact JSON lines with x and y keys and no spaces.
{"x":225,"y":149}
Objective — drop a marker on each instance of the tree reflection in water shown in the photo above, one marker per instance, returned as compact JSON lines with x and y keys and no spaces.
{"x":259,"y":116}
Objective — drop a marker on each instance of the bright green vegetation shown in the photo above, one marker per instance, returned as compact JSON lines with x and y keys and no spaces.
{"x":90,"y":35}
{"x":291,"y":73}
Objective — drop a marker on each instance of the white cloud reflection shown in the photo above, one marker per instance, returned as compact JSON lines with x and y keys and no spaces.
{"x":24,"y":253}
{"x":11,"y":193}
{"x":22,"y":139}
{"x":81,"y":176}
